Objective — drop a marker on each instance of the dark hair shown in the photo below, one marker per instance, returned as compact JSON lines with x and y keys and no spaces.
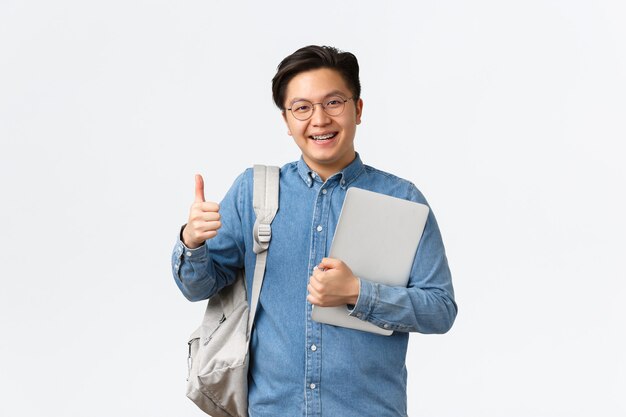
{"x":313,"y":57}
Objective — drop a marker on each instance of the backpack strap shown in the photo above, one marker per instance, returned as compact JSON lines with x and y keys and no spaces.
{"x":265,"y":202}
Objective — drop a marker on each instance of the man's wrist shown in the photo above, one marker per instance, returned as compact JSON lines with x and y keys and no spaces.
{"x":356,"y":289}
{"x":186,"y":243}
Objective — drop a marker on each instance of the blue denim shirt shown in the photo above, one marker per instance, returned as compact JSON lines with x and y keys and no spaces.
{"x":299,"y":367}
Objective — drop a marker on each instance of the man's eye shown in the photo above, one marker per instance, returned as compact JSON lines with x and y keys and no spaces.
{"x":333,"y":103}
{"x":302,"y":108}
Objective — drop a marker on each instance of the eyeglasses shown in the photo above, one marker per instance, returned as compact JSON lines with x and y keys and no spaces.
{"x":332,"y":105}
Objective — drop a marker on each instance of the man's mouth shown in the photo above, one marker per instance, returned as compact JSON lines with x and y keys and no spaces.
{"x":322,"y":138}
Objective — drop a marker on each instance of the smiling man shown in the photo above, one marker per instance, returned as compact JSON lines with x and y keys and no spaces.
{"x":299,"y":367}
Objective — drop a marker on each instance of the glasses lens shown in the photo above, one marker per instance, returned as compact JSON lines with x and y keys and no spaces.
{"x":302,"y":109}
{"x":334,"y":105}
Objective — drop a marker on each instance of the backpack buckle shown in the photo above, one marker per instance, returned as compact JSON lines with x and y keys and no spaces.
{"x":264,"y":233}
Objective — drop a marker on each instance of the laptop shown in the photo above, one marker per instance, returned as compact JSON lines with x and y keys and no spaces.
{"x":377,"y":237}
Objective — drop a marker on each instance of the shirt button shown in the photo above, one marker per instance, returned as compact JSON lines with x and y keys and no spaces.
{"x":319,"y":228}
{"x":386,"y":326}
{"x":313,"y":348}
{"x":359,"y":315}
{"x":312,"y":386}
{"x":324,"y":191}
{"x":188,"y":253}
{"x":343,"y":182}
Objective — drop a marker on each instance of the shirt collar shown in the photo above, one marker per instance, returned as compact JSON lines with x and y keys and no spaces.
{"x":346,"y":175}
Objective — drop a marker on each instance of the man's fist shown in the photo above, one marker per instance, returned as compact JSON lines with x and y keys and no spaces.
{"x":333,"y":284}
{"x":204,"y":219}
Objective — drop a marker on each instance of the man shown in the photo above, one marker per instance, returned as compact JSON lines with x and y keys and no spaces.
{"x":299,"y":367}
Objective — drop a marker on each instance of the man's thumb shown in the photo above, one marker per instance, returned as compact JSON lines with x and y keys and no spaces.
{"x":329,"y":263}
{"x":199,"y":189}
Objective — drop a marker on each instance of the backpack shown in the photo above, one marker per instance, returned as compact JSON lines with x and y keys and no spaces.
{"x":218,"y":350}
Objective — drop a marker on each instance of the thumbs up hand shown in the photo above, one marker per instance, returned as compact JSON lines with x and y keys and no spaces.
{"x":204,"y":219}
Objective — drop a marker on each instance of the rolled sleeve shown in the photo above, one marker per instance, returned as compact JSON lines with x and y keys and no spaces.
{"x":369,"y":307}
{"x":192,"y":265}
{"x":366,"y":300}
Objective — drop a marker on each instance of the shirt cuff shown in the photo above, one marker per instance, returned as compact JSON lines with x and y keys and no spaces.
{"x":195,"y":254}
{"x":368,"y":296}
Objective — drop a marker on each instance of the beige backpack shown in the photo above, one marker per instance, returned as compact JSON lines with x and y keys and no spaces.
{"x":218,"y":349}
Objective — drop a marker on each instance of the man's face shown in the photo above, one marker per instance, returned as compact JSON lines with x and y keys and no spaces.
{"x":326,"y":142}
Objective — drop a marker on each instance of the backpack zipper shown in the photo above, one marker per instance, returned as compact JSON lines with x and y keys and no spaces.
{"x":222,"y":320}
{"x":189,"y":357}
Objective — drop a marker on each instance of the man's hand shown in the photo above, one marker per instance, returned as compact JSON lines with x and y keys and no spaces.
{"x":332,"y":284}
{"x":204,"y":219}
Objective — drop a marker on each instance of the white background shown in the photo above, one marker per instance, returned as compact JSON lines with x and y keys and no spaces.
{"x":508,"y":115}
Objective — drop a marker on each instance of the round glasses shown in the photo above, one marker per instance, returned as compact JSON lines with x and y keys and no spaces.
{"x":332,"y":105}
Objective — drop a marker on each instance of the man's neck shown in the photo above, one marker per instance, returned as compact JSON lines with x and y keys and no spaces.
{"x":327,"y":171}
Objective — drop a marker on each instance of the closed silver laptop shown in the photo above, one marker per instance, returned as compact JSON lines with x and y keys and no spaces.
{"x":377,"y":237}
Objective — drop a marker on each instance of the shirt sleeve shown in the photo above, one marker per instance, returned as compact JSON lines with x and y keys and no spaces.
{"x":201,"y":272}
{"x":427,"y":304}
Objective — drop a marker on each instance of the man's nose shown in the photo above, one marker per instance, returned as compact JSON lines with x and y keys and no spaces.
{"x":319,"y":116}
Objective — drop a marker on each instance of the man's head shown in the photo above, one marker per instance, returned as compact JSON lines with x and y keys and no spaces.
{"x":315,"y":57}
{"x":318,"y":90}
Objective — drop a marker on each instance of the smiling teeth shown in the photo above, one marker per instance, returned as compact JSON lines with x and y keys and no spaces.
{"x":324,"y":137}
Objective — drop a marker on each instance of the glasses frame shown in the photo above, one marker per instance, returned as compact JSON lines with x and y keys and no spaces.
{"x":344,"y":100}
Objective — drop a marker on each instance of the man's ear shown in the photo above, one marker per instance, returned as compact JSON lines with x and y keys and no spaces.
{"x":284,"y":113}
{"x":359,"y":110}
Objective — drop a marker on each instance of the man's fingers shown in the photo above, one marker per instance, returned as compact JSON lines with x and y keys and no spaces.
{"x":318,"y":275}
{"x":207,"y":206}
{"x":313,"y":295}
{"x":207,"y":227}
{"x":312,"y":299}
{"x":329,"y":263}
{"x":315,"y":281}
{"x":211,"y":226}
{"x":210,"y":234}
{"x":210,"y":206}
{"x":209,"y":216}
{"x":199,"y":189}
